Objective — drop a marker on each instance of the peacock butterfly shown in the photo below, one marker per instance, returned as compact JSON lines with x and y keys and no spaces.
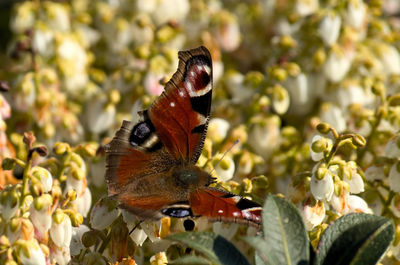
{"x":150,"y":165}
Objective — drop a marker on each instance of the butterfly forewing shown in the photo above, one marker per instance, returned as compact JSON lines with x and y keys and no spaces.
{"x":181,"y":113}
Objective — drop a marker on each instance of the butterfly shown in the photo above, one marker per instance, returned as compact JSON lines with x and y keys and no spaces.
{"x":150,"y":165}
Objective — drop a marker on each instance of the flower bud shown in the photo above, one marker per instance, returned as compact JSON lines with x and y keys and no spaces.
{"x":8,"y":163}
{"x":87,"y":150}
{"x":323,"y":127}
{"x":76,"y":219}
{"x":89,"y":238}
{"x":358,"y":140}
{"x":61,"y":148}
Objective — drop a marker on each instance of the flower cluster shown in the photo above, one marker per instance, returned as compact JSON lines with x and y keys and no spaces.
{"x":306,"y":103}
{"x":39,"y":216}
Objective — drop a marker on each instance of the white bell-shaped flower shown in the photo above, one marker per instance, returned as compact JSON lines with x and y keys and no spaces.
{"x":41,"y":214}
{"x":358,"y":205}
{"x":218,"y":129}
{"x":103,"y":213}
{"x":61,"y":229}
{"x":76,"y":240}
{"x":313,"y":215}
{"x":44,"y":176}
{"x":322,"y":189}
{"x":30,"y":253}
{"x":329,"y":28}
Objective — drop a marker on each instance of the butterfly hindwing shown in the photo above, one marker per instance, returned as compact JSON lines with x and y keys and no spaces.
{"x":221,"y":205}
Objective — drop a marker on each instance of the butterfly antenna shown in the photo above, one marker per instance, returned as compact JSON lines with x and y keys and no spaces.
{"x":227,"y":151}
{"x":133,"y":229}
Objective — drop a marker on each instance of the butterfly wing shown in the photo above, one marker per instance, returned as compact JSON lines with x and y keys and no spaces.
{"x":170,"y":133}
{"x":220,"y":205}
{"x":180,"y":115}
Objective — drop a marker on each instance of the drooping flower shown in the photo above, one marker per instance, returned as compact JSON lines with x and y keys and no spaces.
{"x":265,"y":137}
{"x":61,"y":229}
{"x":319,"y":146}
{"x":334,"y":116}
{"x":30,"y":253}
{"x":322,"y":187}
{"x":355,"y":14}
{"x":44,"y":176}
{"x":76,"y":239}
{"x":103,"y":213}
{"x":329,"y":28}
{"x":41,"y":214}
{"x":337,"y":65}
{"x":358,"y":205}
{"x":392,"y":149}
{"x":218,"y":129}
{"x":313,"y":215}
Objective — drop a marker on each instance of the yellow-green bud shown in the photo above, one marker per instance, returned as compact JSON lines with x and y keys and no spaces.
{"x":394,"y":100}
{"x":293,"y":69}
{"x":114,"y":96}
{"x":260,"y":182}
{"x":44,"y":200}
{"x":56,"y":191}
{"x":71,"y":194}
{"x":321,"y":172}
{"x":247,"y":185}
{"x":58,"y":216}
{"x":379,"y":89}
{"x":8,"y":163}
{"x":319,"y":57}
{"x":61,"y":148}
{"x":4,"y":241}
{"x":36,"y":188}
{"x":323,"y":127}
{"x":359,"y":140}
{"x":76,"y":219}
{"x":89,"y":238}
{"x":279,"y":74}
{"x":320,"y":145}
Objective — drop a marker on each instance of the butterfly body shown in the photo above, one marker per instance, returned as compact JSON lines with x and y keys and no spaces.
{"x":150,"y":166}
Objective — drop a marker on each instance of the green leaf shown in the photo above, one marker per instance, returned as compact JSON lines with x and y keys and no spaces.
{"x":216,"y":248}
{"x":190,"y":260}
{"x":355,"y":239}
{"x":285,"y":240}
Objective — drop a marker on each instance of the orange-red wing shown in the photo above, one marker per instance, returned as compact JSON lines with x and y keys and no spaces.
{"x":125,"y":162}
{"x":180,"y":115}
{"x":220,"y":205}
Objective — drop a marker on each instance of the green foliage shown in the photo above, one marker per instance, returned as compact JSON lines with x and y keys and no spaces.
{"x":355,"y":239}
{"x":352,"y":239}
{"x":216,"y":248}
